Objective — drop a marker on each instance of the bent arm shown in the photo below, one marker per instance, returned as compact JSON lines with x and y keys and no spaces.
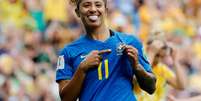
{"x":69,"y":90}
{"x":180,"y":81}
{"x":146,"y":80}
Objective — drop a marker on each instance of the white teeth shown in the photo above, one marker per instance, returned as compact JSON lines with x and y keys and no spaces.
{"x":94,"y":18}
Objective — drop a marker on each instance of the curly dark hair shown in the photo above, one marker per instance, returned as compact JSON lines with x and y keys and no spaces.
{"x":77,"y":2}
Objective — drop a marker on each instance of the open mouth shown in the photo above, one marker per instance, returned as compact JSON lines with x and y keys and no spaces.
{"x":93,"y":18}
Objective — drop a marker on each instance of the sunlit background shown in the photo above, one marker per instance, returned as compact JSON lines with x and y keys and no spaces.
{"x":32,"y":32}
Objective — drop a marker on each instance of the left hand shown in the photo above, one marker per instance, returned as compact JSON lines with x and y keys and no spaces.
{"x":132,"y":52}
{"x":171,"y":98}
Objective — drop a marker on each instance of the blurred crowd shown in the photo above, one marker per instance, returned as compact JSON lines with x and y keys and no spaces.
{"x":32,"y":32}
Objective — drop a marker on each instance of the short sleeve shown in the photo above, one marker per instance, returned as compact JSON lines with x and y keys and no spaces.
{"x":64,"y":70}
{"x":142,"y":58}
{"x":168,"y":74}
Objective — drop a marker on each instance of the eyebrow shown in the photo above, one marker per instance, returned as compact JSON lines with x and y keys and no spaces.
{"x":98,"y":2}
{"x":86,"y":2}
{"x":91,"y":2}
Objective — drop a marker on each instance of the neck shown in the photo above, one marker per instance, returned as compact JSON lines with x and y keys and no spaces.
{"x":101,"y":33}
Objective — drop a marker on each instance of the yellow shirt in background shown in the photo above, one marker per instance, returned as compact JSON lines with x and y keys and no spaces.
{"x":11,"y":13}
{"x":162,"y":73}
{"x":197,"y":49}
{"x":56,"y":10}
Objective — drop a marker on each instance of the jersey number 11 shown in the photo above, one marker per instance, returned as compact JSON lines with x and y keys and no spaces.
{"x":100,"y":76}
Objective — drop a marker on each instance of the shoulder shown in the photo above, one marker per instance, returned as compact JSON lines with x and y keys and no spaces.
{"x":163,"y":68}
{"x":77,"y":43}
{"x":168,"y":73}
{"x":73,"y":46}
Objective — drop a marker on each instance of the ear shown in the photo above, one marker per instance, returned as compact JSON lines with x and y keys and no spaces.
{"x":106,"y":9}
{"x":77,"y":12}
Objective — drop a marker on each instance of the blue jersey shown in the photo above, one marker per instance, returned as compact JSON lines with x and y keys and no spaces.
{"x":112,"y":79}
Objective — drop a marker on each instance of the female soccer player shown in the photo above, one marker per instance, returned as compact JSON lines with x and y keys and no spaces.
{"x":100,"y":65}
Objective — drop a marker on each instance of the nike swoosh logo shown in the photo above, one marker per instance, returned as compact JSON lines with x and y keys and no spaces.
{"x":82,"y":56}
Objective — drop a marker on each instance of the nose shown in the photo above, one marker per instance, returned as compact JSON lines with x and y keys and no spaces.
{"x":92,"y":9}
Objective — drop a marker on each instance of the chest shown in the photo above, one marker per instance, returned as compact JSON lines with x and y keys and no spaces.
{"x":108,"y":64}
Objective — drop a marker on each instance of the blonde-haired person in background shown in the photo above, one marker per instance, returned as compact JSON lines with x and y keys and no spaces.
{"x":161,"y":56}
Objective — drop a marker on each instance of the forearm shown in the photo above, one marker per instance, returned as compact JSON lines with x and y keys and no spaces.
{"x":180,"y":76}
{"x":71,"y":90}
{"x":145,"y":79}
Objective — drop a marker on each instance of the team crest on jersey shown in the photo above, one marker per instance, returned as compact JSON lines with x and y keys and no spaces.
{"x":120,"y":48}
{"x":83,"y":56}
{"x":60,"y":62}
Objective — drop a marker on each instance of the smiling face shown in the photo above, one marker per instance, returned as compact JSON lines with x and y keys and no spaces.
{"x":92,"y":12}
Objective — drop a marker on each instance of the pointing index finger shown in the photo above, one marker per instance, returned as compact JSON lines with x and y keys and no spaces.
{"x":104,"y":51}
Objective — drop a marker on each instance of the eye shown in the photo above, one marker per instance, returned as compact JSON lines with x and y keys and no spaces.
{"x":86,"y":5}
{"x":99,"y":5}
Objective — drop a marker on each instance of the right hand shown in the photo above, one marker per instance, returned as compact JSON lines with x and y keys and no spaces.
{"x":93,"y":59}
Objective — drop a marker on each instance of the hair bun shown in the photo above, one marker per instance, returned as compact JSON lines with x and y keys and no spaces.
{"x":73,"y":2}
